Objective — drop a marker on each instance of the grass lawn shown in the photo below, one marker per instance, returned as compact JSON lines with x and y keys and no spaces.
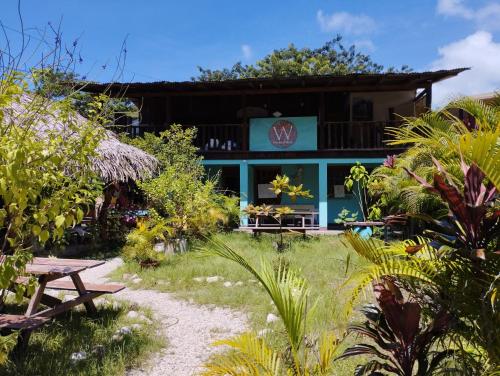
{"x":50,"y":348}
{"x":321,"y":260}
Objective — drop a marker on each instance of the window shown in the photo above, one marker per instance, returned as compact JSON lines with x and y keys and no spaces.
{"x":336,"y":177}
{"x":362,"y":109}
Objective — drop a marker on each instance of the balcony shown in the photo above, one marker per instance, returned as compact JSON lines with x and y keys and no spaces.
{"x":339,"y":138}
{"x":354,"y":135}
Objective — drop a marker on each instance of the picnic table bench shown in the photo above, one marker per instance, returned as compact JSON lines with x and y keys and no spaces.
{"x":50,"y":273}
{"x":303,"y":217}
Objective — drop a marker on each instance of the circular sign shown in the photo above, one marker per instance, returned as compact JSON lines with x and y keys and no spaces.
{"x":283,"y":134}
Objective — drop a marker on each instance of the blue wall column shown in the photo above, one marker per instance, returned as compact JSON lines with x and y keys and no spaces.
{"x":323,"y":193}
{"x":244,"y":189}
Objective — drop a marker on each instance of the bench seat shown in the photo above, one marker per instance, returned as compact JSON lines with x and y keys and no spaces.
{"x":90,"y":287}
{"x":21,"y":322}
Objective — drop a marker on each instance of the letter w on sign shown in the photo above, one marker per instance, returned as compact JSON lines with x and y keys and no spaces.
{"x":283,"y":134}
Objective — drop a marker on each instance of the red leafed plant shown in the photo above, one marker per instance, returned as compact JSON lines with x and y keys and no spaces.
{"x":471,"y":223}
{"x":400,"y":342}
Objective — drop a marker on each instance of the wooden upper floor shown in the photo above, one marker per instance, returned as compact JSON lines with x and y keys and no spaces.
{"x":319,"y":116}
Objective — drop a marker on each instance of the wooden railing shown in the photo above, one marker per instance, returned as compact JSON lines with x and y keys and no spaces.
{"x":331,"y":135}
{"x":219,"y":137}
{"x":354,"y":135}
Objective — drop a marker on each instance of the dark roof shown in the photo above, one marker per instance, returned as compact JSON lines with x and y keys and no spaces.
{"x":355,"y":81}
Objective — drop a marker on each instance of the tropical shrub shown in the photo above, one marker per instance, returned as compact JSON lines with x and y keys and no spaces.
{"x":250,"y":354}
{"x":140,"y":243}
{"x":181,"y":193}
{"x":46,"y":176}
{"x":358,"y":181}
{"x":454,"y":267}
{"x":403,"y":345}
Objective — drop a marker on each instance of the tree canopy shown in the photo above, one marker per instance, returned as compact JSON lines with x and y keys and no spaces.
{"x":331,"y":58}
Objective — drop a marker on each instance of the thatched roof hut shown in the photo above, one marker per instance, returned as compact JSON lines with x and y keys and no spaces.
{"x":116,"y":161}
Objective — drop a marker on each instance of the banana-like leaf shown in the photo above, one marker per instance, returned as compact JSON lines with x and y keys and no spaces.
{"x":251,"y":357}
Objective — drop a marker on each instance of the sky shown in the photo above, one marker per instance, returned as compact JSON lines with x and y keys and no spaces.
{"x":167,"y":40}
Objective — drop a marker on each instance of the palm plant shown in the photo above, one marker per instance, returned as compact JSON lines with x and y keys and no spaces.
{"x":442,"y":136}
{"x":400,"y":341}
{"x":250,"y":354}
{"x":445,"y":133}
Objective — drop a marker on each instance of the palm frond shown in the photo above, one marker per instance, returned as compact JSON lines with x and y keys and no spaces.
{"x":250,"y":357}
{"x":286,"y":288}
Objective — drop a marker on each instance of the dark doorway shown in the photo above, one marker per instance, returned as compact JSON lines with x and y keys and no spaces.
{"x":264,"y":175}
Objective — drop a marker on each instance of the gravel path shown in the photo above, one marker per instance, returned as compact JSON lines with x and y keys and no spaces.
{"x":189,"y":328}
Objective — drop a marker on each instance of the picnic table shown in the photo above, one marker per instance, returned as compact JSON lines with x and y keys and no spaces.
{"x":302,"y":215}
{"x":57,"y":274}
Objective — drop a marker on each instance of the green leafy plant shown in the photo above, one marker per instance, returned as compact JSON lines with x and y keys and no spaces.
{"x":358,"y":181}
{"x":140,"y":245}
{"x":181,"y":193}
{"x":346,"y":216}
{"x":400,"y":344}
{"x":250,"y":354}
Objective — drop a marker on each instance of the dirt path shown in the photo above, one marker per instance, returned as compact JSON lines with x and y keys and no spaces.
{"x":189,"y":328}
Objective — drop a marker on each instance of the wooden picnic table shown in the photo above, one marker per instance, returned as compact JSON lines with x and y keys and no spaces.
{"x":51,"y":273}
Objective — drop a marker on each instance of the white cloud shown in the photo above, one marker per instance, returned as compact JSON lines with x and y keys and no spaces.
{"x":345,"y":22}
{"x":486,"y":17}
{"x":246,"y":50}
{"x":478,"y":51}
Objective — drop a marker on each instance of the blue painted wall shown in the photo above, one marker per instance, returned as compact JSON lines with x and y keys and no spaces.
{"x":309,"y":179}
{"x":306,"y":127}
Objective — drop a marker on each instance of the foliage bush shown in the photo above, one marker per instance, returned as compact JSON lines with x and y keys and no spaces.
{"x":46,"y":177}
{"x":449,"y":179}
{"x":140,"y":243}
{"x":181,"y":193}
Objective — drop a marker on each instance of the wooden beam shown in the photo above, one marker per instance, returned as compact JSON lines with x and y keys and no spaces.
{"x":257,"y":91}
{"x":428,"y":97}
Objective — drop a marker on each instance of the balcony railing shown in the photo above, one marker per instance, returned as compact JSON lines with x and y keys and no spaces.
{"x":220,"y":137}
{"x":331,"y":135}
{"x":354,"y":135}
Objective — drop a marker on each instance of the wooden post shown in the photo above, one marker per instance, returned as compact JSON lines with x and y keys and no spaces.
{"x":244,"y":125}
{"x":321,"y":121}
{"x":428,"y":97}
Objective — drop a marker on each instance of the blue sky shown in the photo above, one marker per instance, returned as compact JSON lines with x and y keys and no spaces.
{"x":166,"y":40}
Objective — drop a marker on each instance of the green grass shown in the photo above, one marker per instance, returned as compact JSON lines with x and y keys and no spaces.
{"x":320,"y":259}
{"x":50,"y":348}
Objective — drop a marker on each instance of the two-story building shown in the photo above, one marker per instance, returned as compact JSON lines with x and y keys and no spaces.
{"x":311,"y":128}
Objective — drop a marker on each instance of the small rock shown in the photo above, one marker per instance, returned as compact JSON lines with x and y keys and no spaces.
{"x":263,"y":332}
{"x":228,"y":284}
{"x":137,"y":280}
{"x":116,"y":337}
{"x":198,"y":279}
{"x":271,"y":317}
{"x":252,"y":281}
{"x":126,"y":276}
{"x":78,"y":356}
{"x":125,"y":331}
{"x":136,"y":326}
{"x":163,"y":282}
{"x":134,"y":276}
{"x":215,"y":278}
{"x":239,"y":283}
{"x":132,"y":315}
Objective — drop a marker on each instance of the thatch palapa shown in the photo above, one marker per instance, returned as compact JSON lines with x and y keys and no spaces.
{"x":116,"y":161}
